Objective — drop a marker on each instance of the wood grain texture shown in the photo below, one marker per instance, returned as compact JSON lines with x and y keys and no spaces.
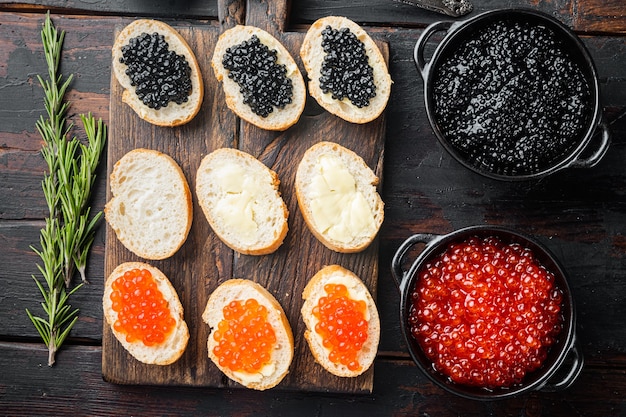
{"x":145,"y":8}
{"x":204,"y":262}
{"x":75,"y":387}
{"x":600,"y":16}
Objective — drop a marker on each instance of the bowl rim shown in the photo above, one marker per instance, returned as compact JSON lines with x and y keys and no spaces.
{"x":567,"y":340}
{"x":458,"y":29}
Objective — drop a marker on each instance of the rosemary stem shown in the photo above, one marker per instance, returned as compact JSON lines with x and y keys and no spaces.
{"x":68,"y":235}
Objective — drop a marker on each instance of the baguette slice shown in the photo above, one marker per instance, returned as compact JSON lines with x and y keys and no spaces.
{"x":174,"y":345}
{"x":242,"y":290}
{"x":311,"y":295}
{"x":280,"y":118}
{"x":337,"y":197}
{"x":240,"y":198}
{"x":313,"y":54}
{"x":151,"y":209}
{"x":173,"y":114}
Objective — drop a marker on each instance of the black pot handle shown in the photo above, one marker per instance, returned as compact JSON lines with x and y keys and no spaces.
{"x":418,"y":52}
{"x":605,"y":141}
{"x":576,"y":368}
{"x":397,"y":272}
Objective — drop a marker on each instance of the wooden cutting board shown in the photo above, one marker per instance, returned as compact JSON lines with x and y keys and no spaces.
{"x":204,"y":261}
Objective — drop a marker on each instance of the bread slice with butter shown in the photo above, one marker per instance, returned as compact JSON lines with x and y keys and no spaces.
{"x":175,"y":343}
{"x":337,"y":197}
{"x":357,"y":291}
{"x":150,"y":209}
{"x":240,"y":198}
{"x":241,"y":290}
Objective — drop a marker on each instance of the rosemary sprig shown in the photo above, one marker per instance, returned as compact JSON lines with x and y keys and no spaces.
{"x":69,"y":232}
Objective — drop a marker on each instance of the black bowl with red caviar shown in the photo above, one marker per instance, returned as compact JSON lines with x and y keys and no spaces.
{"x":487,"y":313}
{"x":513,"y":94}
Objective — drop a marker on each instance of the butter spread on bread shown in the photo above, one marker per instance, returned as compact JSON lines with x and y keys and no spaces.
{"x":339,"y":209}
{"x":240,"y":198}
{"x":337,"y":197}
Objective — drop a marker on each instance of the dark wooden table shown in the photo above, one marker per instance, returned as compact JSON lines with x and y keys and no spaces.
{"x":580,"y":214}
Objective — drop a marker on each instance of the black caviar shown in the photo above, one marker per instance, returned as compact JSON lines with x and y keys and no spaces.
{"x":160,"y":76}
{"x":345,"y":70}
{"x":511,"y":99}
{"x":262,"y":81}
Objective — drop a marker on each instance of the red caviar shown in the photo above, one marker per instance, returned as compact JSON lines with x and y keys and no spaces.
{"x":342,"y":325}
{"x":486,"y":312}
{"x":245,"y":338}
{"x":142,"y":312}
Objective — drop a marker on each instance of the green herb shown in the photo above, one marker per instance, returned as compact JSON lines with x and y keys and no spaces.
{"x":69,"y":231}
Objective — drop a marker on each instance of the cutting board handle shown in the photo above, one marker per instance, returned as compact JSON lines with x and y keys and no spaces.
{"x":268,"y":15}
{"x":231,"y":13}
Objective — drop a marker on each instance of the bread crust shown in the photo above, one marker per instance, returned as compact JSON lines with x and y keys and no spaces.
{"x":173,"y":347}
{"x":279,"y":119}
{"x":117,"y":214}
{"x":312,"y":56}
{"x":272,"y":228}
{"x":174,"y":114}
{"x":243,"y":289}
{"x":366,"y":183}
{"x":313,"y":291}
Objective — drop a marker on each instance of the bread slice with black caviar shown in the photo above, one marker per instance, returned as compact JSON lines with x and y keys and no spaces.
{"x":365,"y":107}
{"x":164,"y":76}
{"x":257,"y":100}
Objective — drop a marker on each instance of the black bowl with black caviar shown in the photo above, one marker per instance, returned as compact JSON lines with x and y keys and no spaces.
{"x":513,"y":94}
{"x":495,"y":318}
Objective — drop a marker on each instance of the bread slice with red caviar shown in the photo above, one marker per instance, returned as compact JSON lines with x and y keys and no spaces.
{"x":357,"y":291}
{"x":173,"y":114}
{"x":150,"y":210}
{"x":313,"y":57}
{"x":280,"y":118}
{"x":155,"y":353}
{"x":273,"y":371}
{"x":337,"y":197}
{"x":240,"y":198}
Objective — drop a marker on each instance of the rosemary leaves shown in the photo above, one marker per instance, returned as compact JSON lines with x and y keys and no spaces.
{"x":69,"y":229}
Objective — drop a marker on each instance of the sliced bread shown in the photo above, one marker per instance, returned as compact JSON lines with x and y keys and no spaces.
{"x":174,"y":345}
{"x":240,"y":198}
{"x":337,"y":197}
{"x":279,"y":118}
{"x":357,"y":291}
{"x":150,"y":209}
{"x":313,"y":58}
{"x":173,"y":114}
{"x":273,"y":372}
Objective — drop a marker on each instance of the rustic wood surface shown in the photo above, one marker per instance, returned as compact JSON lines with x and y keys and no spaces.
{"x":579,"y":214}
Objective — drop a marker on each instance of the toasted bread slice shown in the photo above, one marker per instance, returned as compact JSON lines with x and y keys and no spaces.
{"x":357,"y":290}
{"x":337,"y":197}
{"x":313,"y":56}
{"x":173,"y":114}
{"x":279,"y":118}
{"x":280,"y":359}
{"x":151,"y":209}
{"x":175,"y":343}
{"x":240,"y":198}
